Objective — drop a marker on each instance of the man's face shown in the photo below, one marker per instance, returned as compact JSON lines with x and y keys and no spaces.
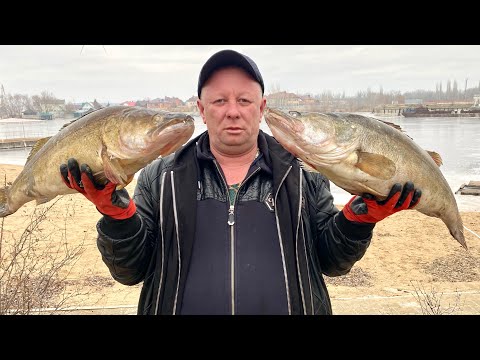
{"x":231,"y":106}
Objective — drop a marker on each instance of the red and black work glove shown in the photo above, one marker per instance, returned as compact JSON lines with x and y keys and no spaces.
{"x":109,"y":201}
{"x":365,"y":209}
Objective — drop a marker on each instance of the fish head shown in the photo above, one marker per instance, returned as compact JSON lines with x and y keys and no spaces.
{"x":318,"y":139}
{"x":149,"y":133}
{"x":172,"y":131}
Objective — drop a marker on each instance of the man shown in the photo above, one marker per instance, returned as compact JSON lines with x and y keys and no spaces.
{"x":230,"y":223}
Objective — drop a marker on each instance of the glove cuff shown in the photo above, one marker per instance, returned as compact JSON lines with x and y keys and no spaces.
{"x":120,"y":229}
{"x":353,"y":229}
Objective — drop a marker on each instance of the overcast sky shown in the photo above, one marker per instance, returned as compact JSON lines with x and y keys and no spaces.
{"x":116,"y":73}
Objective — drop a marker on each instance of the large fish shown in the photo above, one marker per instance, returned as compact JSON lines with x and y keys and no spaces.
{"x":365,"y":155}
{"x":115,"y":142}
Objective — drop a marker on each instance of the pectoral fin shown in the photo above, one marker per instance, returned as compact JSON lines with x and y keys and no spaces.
{"x":113,"y":170}
{"x":376,"y":165}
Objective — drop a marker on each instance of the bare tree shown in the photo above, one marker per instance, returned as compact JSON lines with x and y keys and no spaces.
{"x":15,"y":105}
{"x":431,"y":301}
{"x":45,"y":102}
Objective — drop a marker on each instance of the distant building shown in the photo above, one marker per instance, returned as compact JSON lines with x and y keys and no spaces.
{"x":192,"y":102}
{"x":284,"y":99}
{"x":128,"y":103}
{"x":166,"y":103}
{"x":413,"y":101}
{"x":30,"y":114}
{"x":87,"y":107}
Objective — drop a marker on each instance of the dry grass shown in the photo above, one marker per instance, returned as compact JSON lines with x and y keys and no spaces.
{"x":356,"y":277}
{"x":34,"y":266}
{"x":460,"y":267}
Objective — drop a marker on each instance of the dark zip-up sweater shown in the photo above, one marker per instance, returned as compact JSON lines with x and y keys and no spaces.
{"x":236,"y":265}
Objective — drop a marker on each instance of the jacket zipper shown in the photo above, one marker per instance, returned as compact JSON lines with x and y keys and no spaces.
{"x":299,"y":223}
{"x":178,"y":242}
{"x":281,"y":241}
{"x":163,"y":242}
{"x":231,"y":223}
{"x":296,"y":243}
{"x":308,"y":272}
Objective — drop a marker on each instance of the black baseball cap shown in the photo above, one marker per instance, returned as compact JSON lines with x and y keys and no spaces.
{"x":226,"y":58}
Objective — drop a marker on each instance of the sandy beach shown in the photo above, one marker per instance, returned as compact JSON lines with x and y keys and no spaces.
{"x":409,"y":250}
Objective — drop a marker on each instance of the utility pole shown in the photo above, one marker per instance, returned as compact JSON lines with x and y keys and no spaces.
{"x":465,"y":93}
{"x":2,"y":101}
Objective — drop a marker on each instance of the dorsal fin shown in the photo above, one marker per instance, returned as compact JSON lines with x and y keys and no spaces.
{"x":81,"y":116}
{"x":66,"y":124}
{"x":398,"y":127}
{"x":39,"y":144}
{"x":36,"y":147}
{"x":395,"y":126}
{"x":436,"y":157}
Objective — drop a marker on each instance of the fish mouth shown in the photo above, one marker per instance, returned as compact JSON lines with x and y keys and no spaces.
{"x":173,"y":120}
{"x":304,"y":140}
{"x":286,"y":128}
{"x":282,"y":121}
{"x":176,"y":129}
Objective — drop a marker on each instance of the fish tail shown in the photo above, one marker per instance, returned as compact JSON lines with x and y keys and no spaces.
{"x":456,"y":230}
{"x":4,"y":208}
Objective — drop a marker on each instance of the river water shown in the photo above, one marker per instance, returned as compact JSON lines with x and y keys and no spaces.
{"x":455,"y":139}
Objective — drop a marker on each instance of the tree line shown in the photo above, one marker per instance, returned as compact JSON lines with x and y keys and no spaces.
{"x":17,"y":104}
{"x":368,"y":99}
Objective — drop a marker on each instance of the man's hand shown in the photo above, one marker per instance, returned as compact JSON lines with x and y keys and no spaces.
{"x":109,"y":201}
{"x":365,"y":209}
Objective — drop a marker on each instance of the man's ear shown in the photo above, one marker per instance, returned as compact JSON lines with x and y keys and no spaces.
{"x":201,"y":109}
{"x":262,"y":107}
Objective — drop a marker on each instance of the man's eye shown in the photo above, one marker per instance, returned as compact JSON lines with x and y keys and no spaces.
{"x":244,"y":101}
{"x":219,"y":101}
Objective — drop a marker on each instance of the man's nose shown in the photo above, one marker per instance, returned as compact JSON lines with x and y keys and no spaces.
{"x":232,"y":110}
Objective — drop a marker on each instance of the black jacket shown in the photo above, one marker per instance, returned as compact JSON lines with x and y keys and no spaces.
{"x":155,"y":246}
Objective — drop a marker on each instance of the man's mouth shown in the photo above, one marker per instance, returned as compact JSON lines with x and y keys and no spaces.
{"x":233,"y":129}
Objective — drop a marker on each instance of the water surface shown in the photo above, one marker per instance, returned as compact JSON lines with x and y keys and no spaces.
{"x":455,"y":139}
